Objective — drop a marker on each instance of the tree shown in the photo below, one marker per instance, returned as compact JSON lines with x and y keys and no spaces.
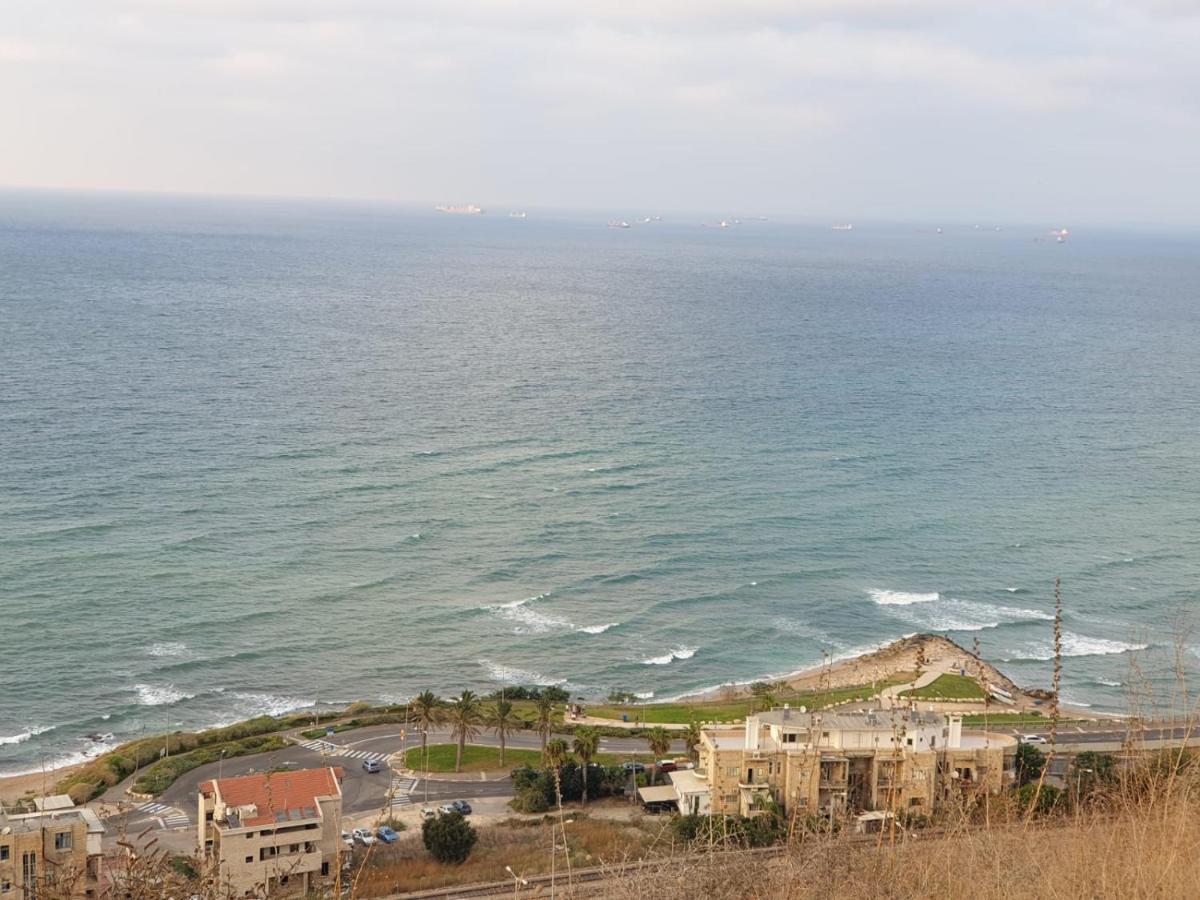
{"x":555,"y":754}
{"x":587,"y":744}
{"x":1030,"y":762}
{"x":1091,"y":771}
{"x":691,"y":738}
{"x":427,"y":711}
{"x":449,"y":838}
{"x":1042,"y":797}
{"x":764,"y":694}
{"x":545,"y":718}
{"x":464,"y":715}
{"x":659,"y":740}
{"x":502,"y":720}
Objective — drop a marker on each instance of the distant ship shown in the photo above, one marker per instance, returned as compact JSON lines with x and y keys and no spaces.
{"x":847,"y":227}
{"x":1060,"y":236}
{"x":469,"y":209}
{"x":618,"y":224}
{"x":516,"y":215}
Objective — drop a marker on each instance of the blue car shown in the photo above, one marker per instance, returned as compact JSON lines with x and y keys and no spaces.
{"x":462,"y":807}
{"x":387,"y":835}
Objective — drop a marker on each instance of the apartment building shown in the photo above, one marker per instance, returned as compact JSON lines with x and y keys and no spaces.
{"x":53,"y":849}
{"x":834,"y":762}
{"x":272,"y":834}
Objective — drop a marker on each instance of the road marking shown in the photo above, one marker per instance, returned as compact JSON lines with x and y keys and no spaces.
{"x":327,"y":749}
{"x":179,"y":820}
{"x":152,"y":808}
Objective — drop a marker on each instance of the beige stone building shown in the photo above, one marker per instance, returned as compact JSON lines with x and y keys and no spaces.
{"x":272,"y":834}
{"x":836,"y":762}
{"x":56,"y":849}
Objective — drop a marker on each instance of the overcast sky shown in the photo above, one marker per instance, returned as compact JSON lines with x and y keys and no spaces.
{"x":1063,"y":111}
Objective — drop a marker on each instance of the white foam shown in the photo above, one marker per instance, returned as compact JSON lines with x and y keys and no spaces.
{"x":901,"y":598}
{"x":1012,"y":590}
{"x":1074,"y":645}
{"x":952,"y":614}
{"x":596,"y":629}
{"x":681,"y":652}
{"x":23,"y":736}
{"x":61,"y":762}
{"x":1107,"y":683}
{"x":149,"y":695}
{"x":644,"y":695}
{"x":168,"y":648}
{"x":253,"y":703}
{"x":506,"y":674}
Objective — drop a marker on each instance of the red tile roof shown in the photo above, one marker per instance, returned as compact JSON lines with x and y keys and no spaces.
{"x":278,"y":794}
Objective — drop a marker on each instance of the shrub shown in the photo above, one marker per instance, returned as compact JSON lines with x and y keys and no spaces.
{"x":449,"y":838}
{"x":1042,"y":798}
{"x":1030,"y":762}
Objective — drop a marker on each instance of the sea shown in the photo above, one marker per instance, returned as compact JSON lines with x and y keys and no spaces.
{"x":264,"y":455}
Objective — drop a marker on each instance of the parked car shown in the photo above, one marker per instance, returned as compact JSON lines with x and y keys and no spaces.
{"x":1031,"y":739}
{"x":666,"y":765}
{"x":636,"y":768}
{"x":387,"y":835}
{"x":371,"y":766}
{"x":447,"y":808}
{"x":346,"y":839}
{"x":363,"y":836}
{"x":427,"y":813}
{"x":462,"y":806}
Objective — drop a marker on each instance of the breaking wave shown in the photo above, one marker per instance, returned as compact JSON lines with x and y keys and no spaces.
{"x":933,"y":612}
{"x":506,"y":674}
{"x":527,"y":620}
{"x":682,"y":652}
{"x":167,"y":648}
{"x":23,"y":736}
{"x":901,"y":598}
{"x":1073,"y":645}
{"x":149,"y":695}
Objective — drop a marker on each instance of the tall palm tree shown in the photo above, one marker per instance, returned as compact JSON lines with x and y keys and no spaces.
{"x":691,"y":738}
{"x":545,"y":719}
{"x":464,"y":715}
{"x":428,"y":710}
{"x":587,"y":744}
{"x":659,"y":740}
{"x":502,"y":720}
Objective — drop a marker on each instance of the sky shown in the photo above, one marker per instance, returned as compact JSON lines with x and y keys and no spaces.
{"x":1062,"y":111}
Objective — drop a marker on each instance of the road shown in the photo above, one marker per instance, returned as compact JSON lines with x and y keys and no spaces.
{"x":361,"y":791}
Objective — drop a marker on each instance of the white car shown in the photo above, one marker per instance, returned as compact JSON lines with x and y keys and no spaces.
{"x":427,"y":813}
{"x":1031,"y":739}
{"x":363,"y":836}
{"x":347,"y":839}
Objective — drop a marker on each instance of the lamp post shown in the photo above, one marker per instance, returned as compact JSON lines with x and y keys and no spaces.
{"x":518,"y":881}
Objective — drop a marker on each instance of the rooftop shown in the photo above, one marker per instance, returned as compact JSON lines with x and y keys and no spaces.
{"x":852,"y":720}
{"x":686,"y":781}
{"x":274,"y":797}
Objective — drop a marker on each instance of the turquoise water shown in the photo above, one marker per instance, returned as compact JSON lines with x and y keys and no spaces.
{"x":257,"y":456}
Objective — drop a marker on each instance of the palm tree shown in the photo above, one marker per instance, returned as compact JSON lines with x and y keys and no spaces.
{"x":691,"y":738}
{"x":428,"y":710}
{"x":587,"y":743}
{"x":659,"y":740}
{"x":464,"y":715}
{"x":501,"y":719}
{"x":545,"y":719}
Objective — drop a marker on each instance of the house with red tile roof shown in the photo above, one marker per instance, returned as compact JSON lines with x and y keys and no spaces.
{"x":274,"y":833}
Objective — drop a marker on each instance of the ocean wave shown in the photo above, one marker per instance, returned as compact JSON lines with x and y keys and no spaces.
{"x":62,"y":762}
{"x":681,"y":652}
{"x":166,"y":695}
{"x":1013,"y":590}
{"x":9,"y":740}
{"x":167,"y":648}
{"x":527,"y":620}
{"x":1109,"y":683}
{"x":644,"y":695}
{"x":1073,"y":645}
{"x":253,"y":703}
{"x":937,"y":613}
{"x":901,"y":598}
{"x":512,"y":675}
{"x":596,"y":629}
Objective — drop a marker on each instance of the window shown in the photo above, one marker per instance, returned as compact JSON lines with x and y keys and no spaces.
{"x":294,"y":848}
{"x":249,"y":859}
{"x":4,"y":851}
{"x":63,"y":841}
{"x":5,"y":887}
{"x":910,"y":742}
{"x":733,"y":771}
{"x":324,"y":868}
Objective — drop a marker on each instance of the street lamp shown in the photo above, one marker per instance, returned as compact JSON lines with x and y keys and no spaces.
{"x":518,"y":881}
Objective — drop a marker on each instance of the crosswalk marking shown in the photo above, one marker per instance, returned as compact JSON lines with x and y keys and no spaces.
{"x":153,"y":809}
{"x":179,"y":820}
{"x":401,"y":788}
{"x":166,"y":816}
{"x":325,"y":747}
{"x":401,"y":800}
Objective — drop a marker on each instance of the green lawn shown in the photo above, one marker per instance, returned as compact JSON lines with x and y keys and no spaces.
{"x":948,"y":687}
{"x":480,"y":759}
{"x":730,"y":711}
{"x":999,"y":719}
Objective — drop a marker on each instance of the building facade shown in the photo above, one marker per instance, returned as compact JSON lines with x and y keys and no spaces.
{"x":829,"y":763}
{"x":272,"y":834}
{"x":56,"y":849}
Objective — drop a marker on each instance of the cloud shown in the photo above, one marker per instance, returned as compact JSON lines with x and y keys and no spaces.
{"x":663,"y":99}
